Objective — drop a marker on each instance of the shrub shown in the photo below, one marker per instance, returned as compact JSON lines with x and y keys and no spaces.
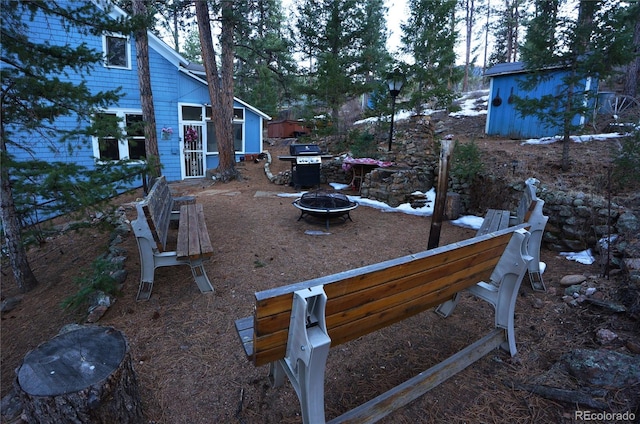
{"x":466,"y":163}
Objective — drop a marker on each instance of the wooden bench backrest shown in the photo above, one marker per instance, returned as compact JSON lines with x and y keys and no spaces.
{"x":157,"y":210}
{"x":366,"y":299}
{"x":527,"y":203}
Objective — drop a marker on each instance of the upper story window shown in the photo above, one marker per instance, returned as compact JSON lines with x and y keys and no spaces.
{"x":117,"y":51}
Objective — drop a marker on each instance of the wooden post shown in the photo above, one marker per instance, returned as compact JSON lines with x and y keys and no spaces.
{"x":441,"y":194}
{"x":82,"y":376}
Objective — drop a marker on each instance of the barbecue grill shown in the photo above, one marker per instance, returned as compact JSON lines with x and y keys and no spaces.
{"x":305,"y":165}
{"x":325,"y":204}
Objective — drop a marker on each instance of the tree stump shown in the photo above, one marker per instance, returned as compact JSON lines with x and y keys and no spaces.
{"x":82,"y":376}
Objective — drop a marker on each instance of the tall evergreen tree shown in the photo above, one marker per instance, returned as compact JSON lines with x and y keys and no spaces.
{"x":152,"y":154}
{"x":220,"y":81}
{"x":429,"y":38}
{"x":588,"y":45}
{"x":264,"y":66}
{"x":35,"y":94}
{"x":343,"y":41}
{"x":512,"y":16}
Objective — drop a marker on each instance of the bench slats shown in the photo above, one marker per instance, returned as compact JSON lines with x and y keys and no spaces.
{"x":193,"y":238}
{"x":394,"y":289}
{"x":495,"y":219}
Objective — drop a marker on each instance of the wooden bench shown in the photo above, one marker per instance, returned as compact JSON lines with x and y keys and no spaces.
{"x":294,"y":326}
{"x":151,"y":228}
{"x":529,"y":211}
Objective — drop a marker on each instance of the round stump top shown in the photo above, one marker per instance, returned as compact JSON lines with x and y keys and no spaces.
{"x":72,"y":361}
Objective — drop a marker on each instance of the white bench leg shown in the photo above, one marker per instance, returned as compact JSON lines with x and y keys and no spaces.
{"x":445,"y":309}
{"x":200,"y":276}
{"x":307,"y":351}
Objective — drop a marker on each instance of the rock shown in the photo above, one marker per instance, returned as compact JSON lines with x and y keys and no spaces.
{"x":605,"y":336}
{"x":573,"y":291}
{"x":10,"y":303}
{"x":570,"y":280}
{"x":628,"y":223}
{"x":95,"y":313}
{"x":537,"y":303}
{"x":603,"y":368}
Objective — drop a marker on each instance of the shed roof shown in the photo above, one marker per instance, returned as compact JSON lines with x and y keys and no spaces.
{"x":511,"y":68}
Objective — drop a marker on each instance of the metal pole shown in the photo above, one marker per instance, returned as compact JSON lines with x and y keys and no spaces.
{"x":393,"y":112}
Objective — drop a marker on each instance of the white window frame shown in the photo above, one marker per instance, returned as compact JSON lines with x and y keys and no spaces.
{"x":127,"y":52}
{"x":205,"y":121}
{"x":123,"y":142}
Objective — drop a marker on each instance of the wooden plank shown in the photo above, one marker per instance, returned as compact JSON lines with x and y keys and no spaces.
{"x":182,"y":247}
{"x":244,"y":329}
{"x":376,"y":296}
{"x":277,"y":300}
{"x":403,"y":394}
{"x":397,"y":284}
{"x":194,"y":237}
{"x":494,"y":220}
{"x":206,"y":247}
{"x":349,"y":324}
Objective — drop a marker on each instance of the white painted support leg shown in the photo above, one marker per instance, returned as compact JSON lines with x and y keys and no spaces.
{"x":445,"y":309}
{"x":200,"y":276}
{"x":307,"y":352}
{"x":502,"y":293}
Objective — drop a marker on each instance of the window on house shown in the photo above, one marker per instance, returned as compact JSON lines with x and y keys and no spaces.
{"x":129,"y":144}
{"x":117,"y":51}
{"x":237,"y":131}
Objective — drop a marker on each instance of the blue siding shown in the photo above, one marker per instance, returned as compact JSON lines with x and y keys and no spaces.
{"x":504,"y":120}
{"x":170,"y":87}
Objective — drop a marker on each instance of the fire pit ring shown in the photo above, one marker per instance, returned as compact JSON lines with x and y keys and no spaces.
{"x":324,"y":204}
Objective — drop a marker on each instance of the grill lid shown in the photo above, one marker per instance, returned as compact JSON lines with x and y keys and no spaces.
{"x":304,"y":149}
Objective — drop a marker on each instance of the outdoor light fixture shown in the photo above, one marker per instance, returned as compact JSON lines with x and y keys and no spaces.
{"x":395,"y":81}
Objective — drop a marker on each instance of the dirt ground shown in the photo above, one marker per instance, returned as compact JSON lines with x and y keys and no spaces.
{"x":190,"y":363}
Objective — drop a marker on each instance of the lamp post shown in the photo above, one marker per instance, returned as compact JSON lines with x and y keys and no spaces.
{"x":395,"y":81}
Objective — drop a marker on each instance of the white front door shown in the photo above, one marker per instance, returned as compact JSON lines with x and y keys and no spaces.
{"x":193,"y":156}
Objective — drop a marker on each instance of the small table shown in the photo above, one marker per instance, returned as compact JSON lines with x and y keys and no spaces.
{"x":361,"y":167}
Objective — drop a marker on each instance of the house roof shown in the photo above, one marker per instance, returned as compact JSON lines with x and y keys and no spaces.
{"x":193,"y":70}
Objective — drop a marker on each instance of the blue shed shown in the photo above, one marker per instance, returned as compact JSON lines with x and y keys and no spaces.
{"x":186,"y":136}
{"x":502,"y":117}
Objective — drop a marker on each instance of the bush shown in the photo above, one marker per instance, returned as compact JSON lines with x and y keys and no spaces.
{"x":99,"y":279}
{"x":466,"y":164}
{"x":627,"y":162}
{"x":362,"y":144}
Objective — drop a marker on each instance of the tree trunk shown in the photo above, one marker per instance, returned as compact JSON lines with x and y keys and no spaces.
{"x":22,"y":273}
{"x":469,"y":20}
{"x":146,"y":95}
{"x":633,"y":70}
{"x":220,"y":92}
{"x":441,"y":194}
{"x":81,"y":376}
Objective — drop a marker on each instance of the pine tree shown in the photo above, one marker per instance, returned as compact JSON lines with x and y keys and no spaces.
{"x":429,"y":39}
{"x":220,"y":81}
{"x":344,"y":42}
{"x":35,"y":94}
{"x":264,"y":66}
{"x":588,"y":45}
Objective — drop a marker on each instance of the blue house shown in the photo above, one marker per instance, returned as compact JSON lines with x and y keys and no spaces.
{"x":186,"y":136}
{"x":502,"y":117}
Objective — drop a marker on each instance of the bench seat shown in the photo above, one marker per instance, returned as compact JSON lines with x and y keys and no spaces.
{"x":151,"y":228}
